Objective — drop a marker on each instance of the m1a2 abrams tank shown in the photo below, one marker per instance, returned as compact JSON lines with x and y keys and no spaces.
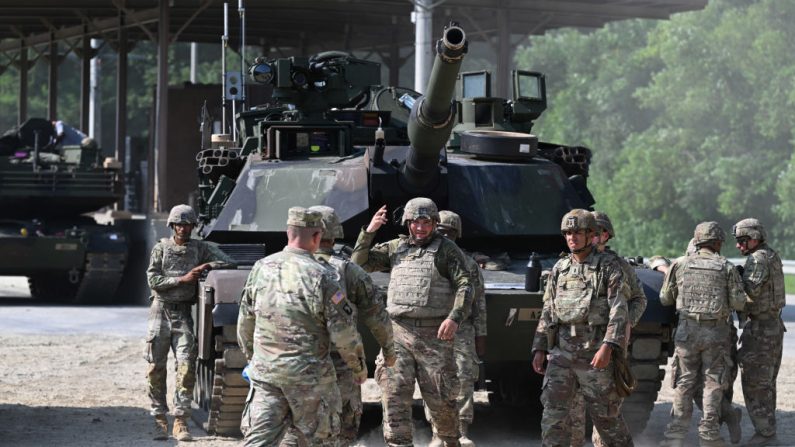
{"x":334,"y":137}
{"x":44,"y":191}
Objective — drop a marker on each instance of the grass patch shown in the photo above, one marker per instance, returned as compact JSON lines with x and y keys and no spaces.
{"x":789,"y":283}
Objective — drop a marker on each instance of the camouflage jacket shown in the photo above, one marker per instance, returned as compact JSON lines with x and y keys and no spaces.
{"x":363,"y":294}
{"x":450,"y":262}
{"x":763,"y":281}
{"x":636,"y":299}
{"x":478,"y":314}
{"x":731,"y":285}
{"x":170,"y":260}
{"x":291,"y":311}
{"x":607,"y":307}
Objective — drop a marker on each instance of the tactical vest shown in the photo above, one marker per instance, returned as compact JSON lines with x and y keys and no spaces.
{"x":177,"y":261}
{"x":772,"y":297}
{"x":580,"y":295}
{"x":702,"y":287}
{"x":416,"y":288}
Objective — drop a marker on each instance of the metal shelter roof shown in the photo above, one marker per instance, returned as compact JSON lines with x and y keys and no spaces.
{"x":308,"y":25}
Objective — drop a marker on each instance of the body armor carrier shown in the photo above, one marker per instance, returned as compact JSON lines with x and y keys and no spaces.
{"x":773,"y":297}
{"x":581,"y":296}
{"x":177,"y":261}
{"x":416,"y":288}
{"x":702,"y":287}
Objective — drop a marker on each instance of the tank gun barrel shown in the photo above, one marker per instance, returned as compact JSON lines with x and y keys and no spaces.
{"x":433,"y":115}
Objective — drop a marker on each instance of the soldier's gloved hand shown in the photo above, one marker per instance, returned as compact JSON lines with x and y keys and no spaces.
{"x":379,"y":219}
{"x":360,"y":377}
{"x":390,"y":358}
{"x":480,"y":345}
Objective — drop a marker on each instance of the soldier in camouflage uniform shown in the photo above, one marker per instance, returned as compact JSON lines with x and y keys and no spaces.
{"x":763,"y":334}
{"x":365,"y":298}
{"x":470,"y":340}
{"x":705,"y":288}
{"x":430,"y":294}
{"x":175,"y":266}
{"x":583,"y":321}
{"x":291,"y":311}
{"x":636,"y":305}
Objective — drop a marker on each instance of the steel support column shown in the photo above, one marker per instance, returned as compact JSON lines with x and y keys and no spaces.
{"x":86,"y":55}
{"x":121,"y":90}
{"x":22,"y":99}
{"x":504,"y":53}
{"x":159,"y":180}
{"x":394,"y":58}
{"x":423,"y":43}
{"x":52,"y":80}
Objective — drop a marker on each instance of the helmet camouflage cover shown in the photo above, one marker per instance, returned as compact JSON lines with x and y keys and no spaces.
{"x":449,"y":220}
{"x":708,"y":231}
{"x":603,"y":222}
{"x":750,"y":228}
{"x":330,"y":221}
{"x":577,"y":219}
{"x":182,"y":214}
{"x":420,"y":207}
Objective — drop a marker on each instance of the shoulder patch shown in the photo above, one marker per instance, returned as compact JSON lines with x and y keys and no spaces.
{"x":338,"y":297}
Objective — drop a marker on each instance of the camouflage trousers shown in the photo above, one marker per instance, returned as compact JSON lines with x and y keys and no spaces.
{"x":313,"y":410}
{"x":351,"y":401}
{"x":170,"y":327}
{"x":468,"y":368}
{"x":704,"y":361}
{"x":760,"y":359}
{"x":431,"y":362}
{"x":564,"y":380}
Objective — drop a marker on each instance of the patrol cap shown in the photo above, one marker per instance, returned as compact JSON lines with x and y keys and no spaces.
{"x":750,"y":228}
{"x":330,"y":221}
{"x":182,"y":214}
{"x":301,"y":217}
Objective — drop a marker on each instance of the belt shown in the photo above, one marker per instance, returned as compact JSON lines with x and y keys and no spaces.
{"x":174,"y":306}
{"x":703,"y":322}
{"x":764,"y":316}
{"x":421,"y":322}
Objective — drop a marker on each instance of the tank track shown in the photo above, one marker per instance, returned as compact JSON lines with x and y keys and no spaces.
{"x":649,"y":350}
{"x":102,"y":276}
{"x":220,"y":392}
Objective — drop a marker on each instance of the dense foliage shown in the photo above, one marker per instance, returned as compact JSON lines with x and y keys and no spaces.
{"x":690,"y":119}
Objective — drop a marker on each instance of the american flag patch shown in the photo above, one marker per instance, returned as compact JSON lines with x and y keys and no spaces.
{"x":338,"y":297}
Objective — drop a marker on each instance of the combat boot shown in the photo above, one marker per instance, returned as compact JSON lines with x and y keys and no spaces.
{"x":711,"y":442}
{"x":161,"y":428}
{"x":181,"y":432}
{"x":735,"y":429}
{"x":464,"y":439}
{"x":758,"y":439}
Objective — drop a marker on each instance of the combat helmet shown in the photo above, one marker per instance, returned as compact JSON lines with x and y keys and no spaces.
{"x":658,"y":261}
{"x":578,"y":219}
{"x":331,"y":221}
{"x":750,"y":228}
{"x":602,"y":221}
{"x":182,"y":214}
{"x":450,"y":221}
{"x":420,"y":207}
{"x":706,"y":232}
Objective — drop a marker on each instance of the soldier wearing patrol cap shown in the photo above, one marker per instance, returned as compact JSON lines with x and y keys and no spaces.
{"x":582,"y":323}
{"x":367,"y":301}
{"x":430,"y":294}
{"x":175,"y":267}
{"x":291,"y":312}
{"x":763,"y":335}
{"x":705,"y":287}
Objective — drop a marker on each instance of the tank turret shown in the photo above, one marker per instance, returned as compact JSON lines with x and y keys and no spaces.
{"x":433,"y":115}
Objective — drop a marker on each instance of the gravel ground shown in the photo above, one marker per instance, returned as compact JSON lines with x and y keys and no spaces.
{"x":74,"y":376}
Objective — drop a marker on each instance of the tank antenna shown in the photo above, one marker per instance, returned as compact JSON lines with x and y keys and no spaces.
{"x":242,"y":11}
{"x":224,"y":43}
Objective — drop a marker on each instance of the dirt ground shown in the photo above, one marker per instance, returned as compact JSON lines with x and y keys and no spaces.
{"x":74,"y":376}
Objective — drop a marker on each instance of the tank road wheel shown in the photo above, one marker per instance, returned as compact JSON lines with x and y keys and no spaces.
{"x":220,"y":388}
{"x":649,"y":350}
{"x":55,"y":287}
